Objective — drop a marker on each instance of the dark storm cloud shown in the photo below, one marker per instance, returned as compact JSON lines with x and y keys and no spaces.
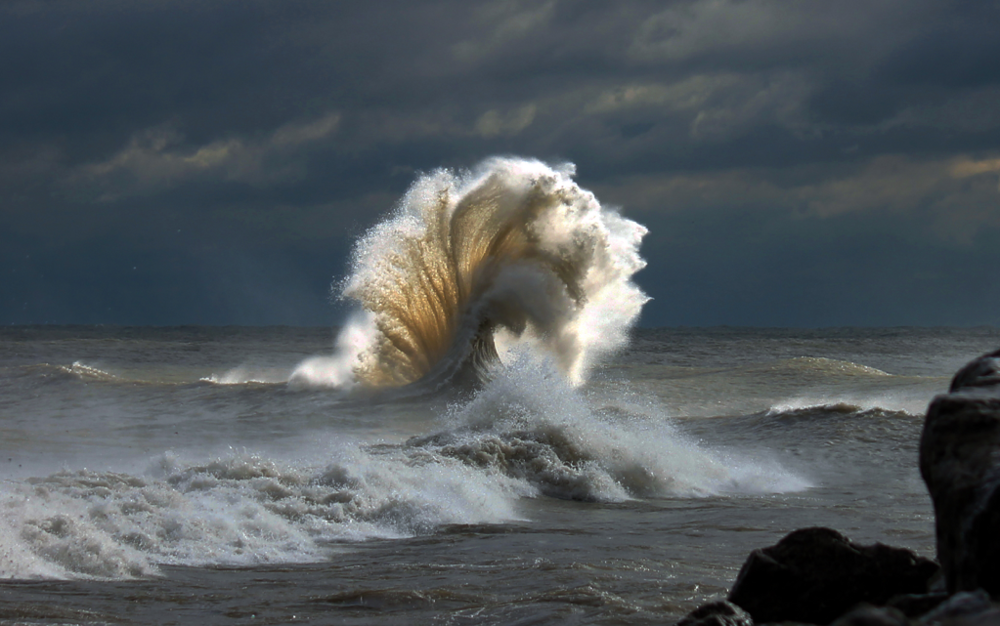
{"x":797,"y":162}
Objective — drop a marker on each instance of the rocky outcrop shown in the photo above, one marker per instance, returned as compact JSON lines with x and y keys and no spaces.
{"x":815,"y":575}
{"x":960,"y":462}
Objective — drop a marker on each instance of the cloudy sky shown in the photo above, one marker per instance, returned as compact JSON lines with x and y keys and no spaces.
{"x":798,"y":163}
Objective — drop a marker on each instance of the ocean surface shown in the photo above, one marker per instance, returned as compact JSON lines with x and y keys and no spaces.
{"x":487,"y":439}
{"x":188,"y":476}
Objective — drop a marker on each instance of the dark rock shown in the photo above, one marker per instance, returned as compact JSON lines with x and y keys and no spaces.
{"x":983,"y":372}
{"x":720,"y":613}
{"x":960,"y":462}
{"x":962,"y":605}
{"x":868,"y":615}
{"x":916,"y":604}
{"x":986,"y":618}
{"x":815,"y":575}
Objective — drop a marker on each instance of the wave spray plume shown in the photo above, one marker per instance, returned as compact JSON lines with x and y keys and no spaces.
{"x":514,"y":250}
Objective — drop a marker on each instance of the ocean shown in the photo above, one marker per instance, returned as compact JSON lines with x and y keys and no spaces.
{"x":172,"y":475}
{"x":489,"y":438}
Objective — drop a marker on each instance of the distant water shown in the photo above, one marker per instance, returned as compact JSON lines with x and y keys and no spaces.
{"x":173,"y":475}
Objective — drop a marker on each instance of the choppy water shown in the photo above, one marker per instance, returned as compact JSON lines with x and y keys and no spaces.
{"x":157,"y":476}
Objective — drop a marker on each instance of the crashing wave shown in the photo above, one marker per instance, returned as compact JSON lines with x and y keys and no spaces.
{"x":514,"y":245}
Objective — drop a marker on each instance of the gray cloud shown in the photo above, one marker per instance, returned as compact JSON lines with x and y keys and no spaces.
{"x":949,"y":201}
{"x":156,"y":158}
{"x":778,"y":150}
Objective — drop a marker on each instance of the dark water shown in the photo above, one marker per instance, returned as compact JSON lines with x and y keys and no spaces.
{"x":158,"y":476}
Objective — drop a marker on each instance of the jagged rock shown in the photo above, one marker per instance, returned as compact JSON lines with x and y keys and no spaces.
{"x":721,"y":613}
{"x":960,"y":462}
{"x":815,"y":575}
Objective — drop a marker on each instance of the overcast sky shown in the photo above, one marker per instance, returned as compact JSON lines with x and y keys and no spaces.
{"x":797,"y":163}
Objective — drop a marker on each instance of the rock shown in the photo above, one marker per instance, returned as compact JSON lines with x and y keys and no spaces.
{"x":986,"y":618}
{"x":868,"y":615}
{"x":815,"y":575}
{"x":960,"y":462}
{"x":916,"y":604}
{"x":960,"y":607}
{"x":720,"y":613}
{"x":982,"y":372}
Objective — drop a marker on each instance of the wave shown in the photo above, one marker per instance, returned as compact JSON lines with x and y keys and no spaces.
{"x":48,"y":373}
{"x":87,"y":372}
{"x":834,"y":366}
{"x":241,"y":509}
{"x":526,"y":433}
{"x":513,"y":248}
{"x":529,"y":425}
{"x":82,"y":372}
{"x":902,"y":405}
{"x":806,"y":410}
{"x":243,"y":375}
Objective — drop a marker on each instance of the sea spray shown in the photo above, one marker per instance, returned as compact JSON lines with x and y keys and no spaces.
{"x":528,"y":423}
{"x":513,"y":245}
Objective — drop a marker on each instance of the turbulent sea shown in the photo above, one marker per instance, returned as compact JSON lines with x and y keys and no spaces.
{"x":169,"y":475}
{"x":488,"y":439}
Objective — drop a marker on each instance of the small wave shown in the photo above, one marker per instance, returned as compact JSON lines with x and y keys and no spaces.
{"x":843,"y":368}
{"x":83,"y":371}
{"x":882,"y":406}
{"x":80,"y":371}
{"x":514,"y":245}
{"x":245,"y":375}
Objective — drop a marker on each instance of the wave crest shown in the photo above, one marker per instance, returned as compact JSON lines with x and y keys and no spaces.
{"x":515,"y":245}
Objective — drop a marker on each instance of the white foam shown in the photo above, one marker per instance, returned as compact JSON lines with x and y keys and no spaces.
{"x":239,"y":509}
{"x":530,"y":424}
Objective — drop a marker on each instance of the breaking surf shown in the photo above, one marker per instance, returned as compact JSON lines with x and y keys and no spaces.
{"x":512,"y":252}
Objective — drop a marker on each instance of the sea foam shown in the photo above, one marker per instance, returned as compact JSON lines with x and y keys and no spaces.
{"x":241,"y":509}
{"x":530,"y":424}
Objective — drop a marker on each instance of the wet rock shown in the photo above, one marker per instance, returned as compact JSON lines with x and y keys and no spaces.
{"x":815,"y":575}
{"x":960,"y":462}
{"x":720,"y":613}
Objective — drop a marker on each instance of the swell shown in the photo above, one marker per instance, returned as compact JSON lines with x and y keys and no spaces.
{"x":515,"y":246}
{"x":836,"y":409}
{"x":48,"y":373}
